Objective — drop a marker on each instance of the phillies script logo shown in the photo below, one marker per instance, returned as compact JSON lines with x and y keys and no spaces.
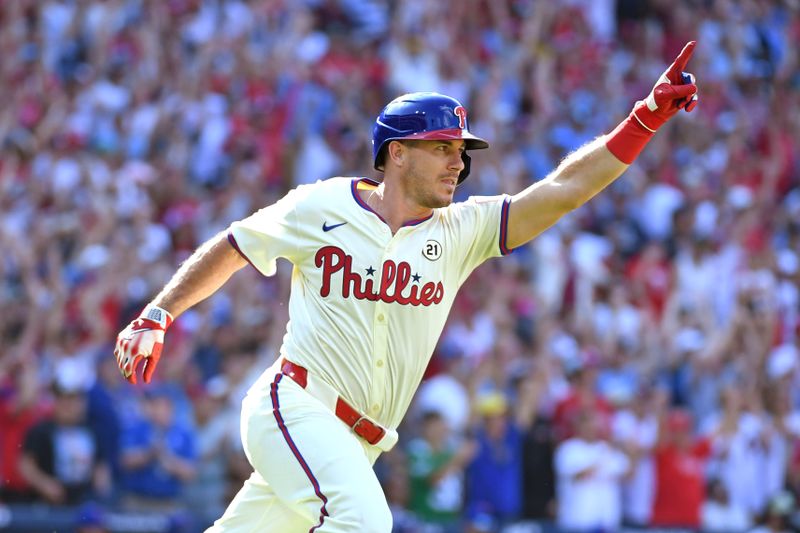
{"x":461,"y":113}
{"x":394,"y":280}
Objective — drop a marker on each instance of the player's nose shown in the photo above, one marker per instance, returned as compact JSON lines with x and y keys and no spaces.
{"x":456,"y":162}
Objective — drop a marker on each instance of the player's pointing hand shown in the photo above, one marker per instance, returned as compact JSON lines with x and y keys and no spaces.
{"x":674,"y":90}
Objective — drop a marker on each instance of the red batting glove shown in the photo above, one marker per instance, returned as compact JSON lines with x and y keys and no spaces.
{"x":143,"y":339}
{"x":670,"y":94}
{"x":674,"y":90}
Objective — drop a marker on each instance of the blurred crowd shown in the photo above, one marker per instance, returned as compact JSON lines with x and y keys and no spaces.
{"x":636,"y":364}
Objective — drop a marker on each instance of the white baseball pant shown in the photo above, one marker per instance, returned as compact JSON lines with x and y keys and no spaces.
{"x":320,"y":474}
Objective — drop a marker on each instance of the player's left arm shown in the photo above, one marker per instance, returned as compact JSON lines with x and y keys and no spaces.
{"x":591,"y":168}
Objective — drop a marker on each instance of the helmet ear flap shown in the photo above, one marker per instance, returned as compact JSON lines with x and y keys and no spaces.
{"x":467,"y":164}
{"x":380,"y":159}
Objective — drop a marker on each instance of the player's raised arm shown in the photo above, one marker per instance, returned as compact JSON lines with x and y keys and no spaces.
{"x":590,"y":169}
{"x":200,"y":276}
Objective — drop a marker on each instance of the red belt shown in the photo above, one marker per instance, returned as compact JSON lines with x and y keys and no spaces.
{"x":360,"y":424}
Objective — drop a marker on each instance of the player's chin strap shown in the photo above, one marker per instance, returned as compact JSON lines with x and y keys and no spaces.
{"x":382,"y":438}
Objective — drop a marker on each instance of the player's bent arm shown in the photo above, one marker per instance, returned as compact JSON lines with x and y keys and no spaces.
{"x":593,"y":167}
{"x":579,"y":177}
{"x":200,"y":276}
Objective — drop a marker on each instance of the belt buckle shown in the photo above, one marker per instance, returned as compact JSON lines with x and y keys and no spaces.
{"x":368,"y":427}
{"x":357,"y":423}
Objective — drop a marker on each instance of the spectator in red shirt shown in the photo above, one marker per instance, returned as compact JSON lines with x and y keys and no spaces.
{"x":20,"y":409}
{"x":680,"y":473}
{"x":583,"y":395}
{"x":651,"y":278}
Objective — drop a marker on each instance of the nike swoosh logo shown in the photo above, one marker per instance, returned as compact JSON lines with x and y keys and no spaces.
{"x":326,"y":227}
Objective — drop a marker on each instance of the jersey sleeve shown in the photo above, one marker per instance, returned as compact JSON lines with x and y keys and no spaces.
{"x":481,"y":225}
{"x":270,"y":233}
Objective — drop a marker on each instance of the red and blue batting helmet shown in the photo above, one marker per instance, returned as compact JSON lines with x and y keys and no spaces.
{"x":423,"y":116}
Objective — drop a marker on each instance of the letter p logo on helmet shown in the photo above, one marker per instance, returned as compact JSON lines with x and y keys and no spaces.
{"x":461,"y":113}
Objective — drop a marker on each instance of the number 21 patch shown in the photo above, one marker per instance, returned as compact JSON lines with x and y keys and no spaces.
{"x":432,"y":250}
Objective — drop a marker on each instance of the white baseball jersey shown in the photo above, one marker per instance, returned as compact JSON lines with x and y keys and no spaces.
{"x":367,"y":307}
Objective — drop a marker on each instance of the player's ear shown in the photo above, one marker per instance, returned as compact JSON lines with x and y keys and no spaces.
{"x":396,"y":152}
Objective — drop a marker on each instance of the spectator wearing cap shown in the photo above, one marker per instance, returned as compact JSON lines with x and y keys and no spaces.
{"x":494,"y":476}
{"x":589,"y":474}
{"x":61,"y":458}
{"x":158,"y":455}
{"x":681,"y":461}
{"x":494,"y":486}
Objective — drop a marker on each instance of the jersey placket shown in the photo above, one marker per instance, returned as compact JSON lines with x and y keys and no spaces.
{"x":380,"y":347}
{"x":379,"y":355}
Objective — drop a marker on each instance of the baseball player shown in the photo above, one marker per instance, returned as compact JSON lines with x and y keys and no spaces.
{"x":376,"y":269}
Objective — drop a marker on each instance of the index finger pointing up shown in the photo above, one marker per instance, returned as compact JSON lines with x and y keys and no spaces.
{"x":680,"y":62}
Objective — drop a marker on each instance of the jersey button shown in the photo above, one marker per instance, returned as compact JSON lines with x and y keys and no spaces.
{"x":380,"y":363}
{"x":380,"y":317}
{"x":375,"y":408}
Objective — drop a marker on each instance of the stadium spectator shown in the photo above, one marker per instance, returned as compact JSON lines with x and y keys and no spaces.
{"x":446,"y":391}
{"x":538,"y":449}
{"x":436,"y":465}
{"x":20,"y":409}
{"x":680,"y":460}
{"x":494,"y":485}
{"x":61,"y":458}
{"x":214,"y":428}
{"x":589,"y":472}
{"x":718,"y":514}
{"x":741,"y":435}
{"x":634,"y":429}
{"x":494,"y":477}
{"x":158,"y":456}
{"x":105,"y":400}
{"x":583,"y":395}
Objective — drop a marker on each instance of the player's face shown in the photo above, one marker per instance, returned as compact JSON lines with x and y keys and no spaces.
{"x":433,"y":171}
